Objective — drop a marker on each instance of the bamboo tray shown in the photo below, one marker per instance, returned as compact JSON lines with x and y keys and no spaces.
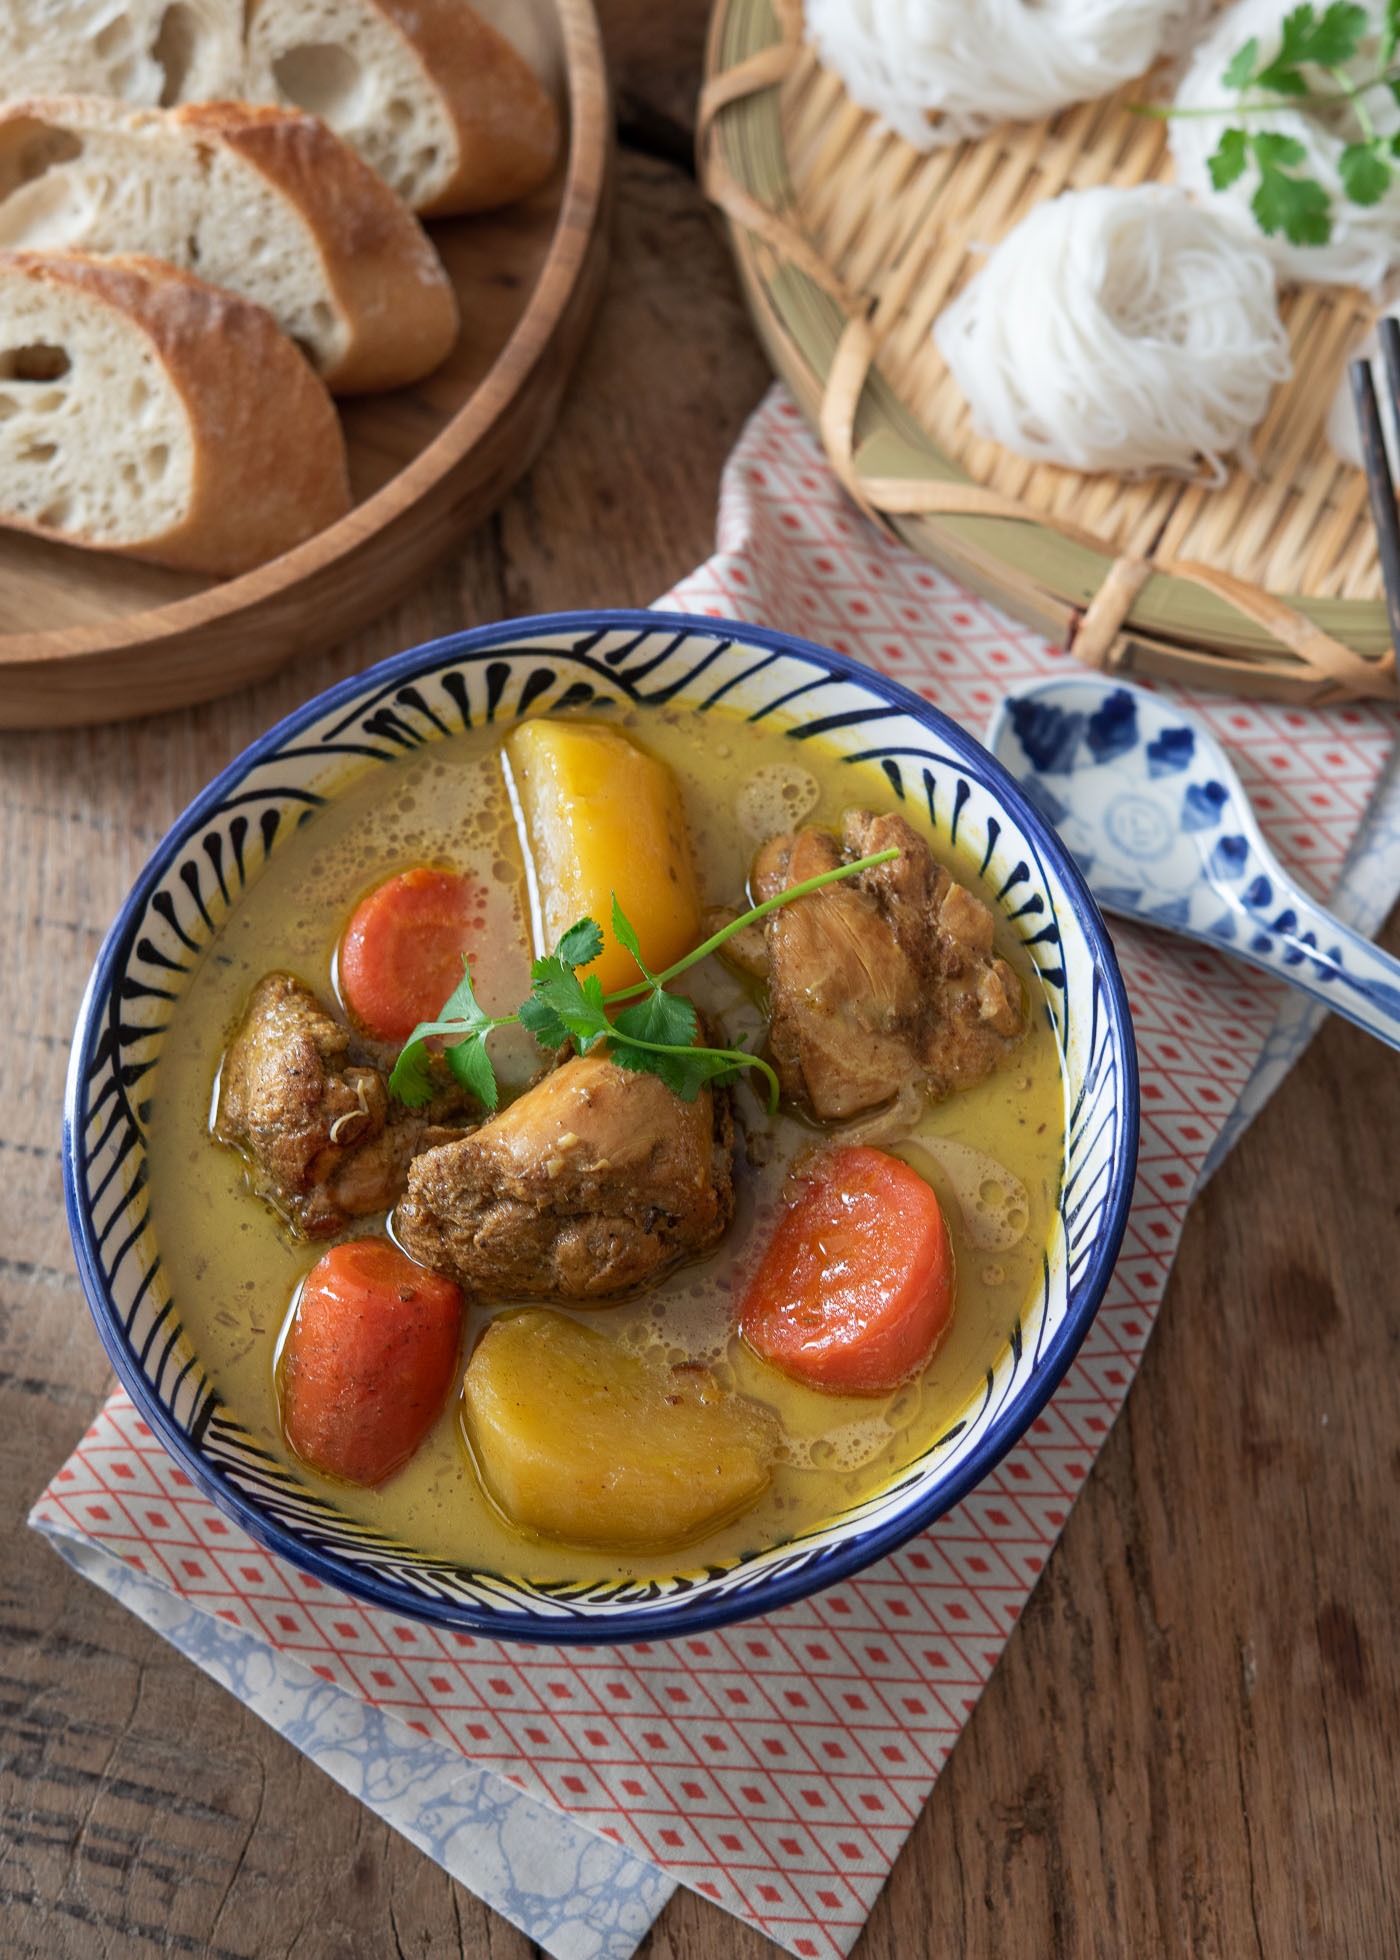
{"x":849,"y":242}
{"x":85,"y":637}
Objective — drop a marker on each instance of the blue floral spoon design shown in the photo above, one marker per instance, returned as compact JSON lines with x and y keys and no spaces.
{"x":1160,"y":826}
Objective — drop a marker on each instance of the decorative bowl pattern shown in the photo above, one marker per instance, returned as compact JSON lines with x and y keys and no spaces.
{"x":1160,"y":825}
{"x":216,"y":851}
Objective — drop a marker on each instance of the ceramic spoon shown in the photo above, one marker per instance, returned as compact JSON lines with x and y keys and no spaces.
{"x":1160,"y":826}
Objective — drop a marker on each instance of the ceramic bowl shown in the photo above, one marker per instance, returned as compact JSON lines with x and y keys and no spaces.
{"x":211,"y":861}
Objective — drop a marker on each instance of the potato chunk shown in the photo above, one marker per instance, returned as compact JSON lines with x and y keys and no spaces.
{"x":580,"y":1441}
{"x":601,"y":816}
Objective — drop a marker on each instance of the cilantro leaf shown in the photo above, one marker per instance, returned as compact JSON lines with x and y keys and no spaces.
{"x":460,"y":1009}
{"x":581,"y":944}
{"x":1295,"y":206}
{"x":1365,"y":173}
{"x":1281,"y":78}
{"x":661,"y":1017}
{"x":1272,"y":150}
{"x":1285,"y":202}
{"x":625,"y":934}
{"x":575,"y":1005}
{"x":668,"y":1024}
{"x":1227,"y":165}
{"x":1296,"y":30}
{"x":595,"y":1004}
{"x":1390,"y":33}
{"x":1325,"y":40}
{"x":1335,"y":35}
{"x":471,"y":1065}
{"x":462,"y":1016}
{"x":542,"y":1022}
{"x":411,"y":1081}
{"x":684,"y":1075}
{"x":685,"y":1072}
{"x":1240,"y":73}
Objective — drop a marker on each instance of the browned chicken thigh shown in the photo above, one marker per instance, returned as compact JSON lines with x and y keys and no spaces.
{"x":325,"y":1139}
{"x":594,"y":1181}
{"x":883,"y":980}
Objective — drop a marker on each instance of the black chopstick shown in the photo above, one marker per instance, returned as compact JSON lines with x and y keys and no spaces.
{"x":1378,"y":480}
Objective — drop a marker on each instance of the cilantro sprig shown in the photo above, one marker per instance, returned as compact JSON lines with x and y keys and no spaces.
{"x":641,"y":1027}
{"x":1287,"y":199}
{"x":1324,"y":40}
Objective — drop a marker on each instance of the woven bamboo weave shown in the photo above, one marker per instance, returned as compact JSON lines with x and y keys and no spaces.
{"x":850,"y":243}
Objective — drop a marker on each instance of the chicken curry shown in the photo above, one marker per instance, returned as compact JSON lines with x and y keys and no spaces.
{"x":625,"y":1260}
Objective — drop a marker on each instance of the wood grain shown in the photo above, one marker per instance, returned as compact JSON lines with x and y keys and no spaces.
{"x":86,"y":637}
{"x":1190,"y":1745}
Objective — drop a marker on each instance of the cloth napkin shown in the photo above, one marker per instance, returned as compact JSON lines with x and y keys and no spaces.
{"x":775,"y":1766}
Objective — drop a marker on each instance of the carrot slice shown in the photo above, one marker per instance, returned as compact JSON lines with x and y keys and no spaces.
{"x":855,"y":1289}
{"x":401,"y":955}
{"x":368,"y":1361}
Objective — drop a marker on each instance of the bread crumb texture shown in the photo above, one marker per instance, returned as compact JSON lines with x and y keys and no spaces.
{"x":147,"y":51}
{"x":451,"y":105}
{"x":143,"y":411}
{"x":95,"y":441}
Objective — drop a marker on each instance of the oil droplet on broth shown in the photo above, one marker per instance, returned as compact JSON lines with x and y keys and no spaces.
{"x":994,"y":1203}
{"x":843,"y":1448}
{"x":775,"y":798}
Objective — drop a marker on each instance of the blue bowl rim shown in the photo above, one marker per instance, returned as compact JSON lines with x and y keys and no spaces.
{"x":692,"y":1613}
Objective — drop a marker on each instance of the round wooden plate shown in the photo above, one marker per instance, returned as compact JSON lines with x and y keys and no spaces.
{"x":85,"y":637}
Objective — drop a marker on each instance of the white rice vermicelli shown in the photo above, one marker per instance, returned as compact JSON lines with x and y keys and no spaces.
{"x":1365,"y":239}
{"x":972,"y":64}
{"x":1343,"y":430}
{"x":1124,"y":330}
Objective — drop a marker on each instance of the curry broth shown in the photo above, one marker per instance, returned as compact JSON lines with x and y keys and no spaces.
{"x":233,"y":1267}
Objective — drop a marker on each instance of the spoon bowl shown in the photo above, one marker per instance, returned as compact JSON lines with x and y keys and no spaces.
{"x":1158,"y":822}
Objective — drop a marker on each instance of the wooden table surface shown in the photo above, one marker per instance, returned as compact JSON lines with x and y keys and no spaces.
{"x":1192,"y":1744}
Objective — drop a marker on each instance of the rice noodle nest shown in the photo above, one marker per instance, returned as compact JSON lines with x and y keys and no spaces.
{"x":1123,"y":330}
{"x":1365,"y":240}
{"x":973,"y":64}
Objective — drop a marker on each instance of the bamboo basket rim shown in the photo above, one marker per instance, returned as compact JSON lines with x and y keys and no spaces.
{"x":1116,"y":611}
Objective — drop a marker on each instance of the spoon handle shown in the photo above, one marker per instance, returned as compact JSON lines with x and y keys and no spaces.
{"x":1311,"y":949}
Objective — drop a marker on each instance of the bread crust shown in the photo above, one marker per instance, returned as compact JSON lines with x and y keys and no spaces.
{"x":382,"y":270}
{"x":269,"y":468}
{"x":382,"y":274}
{"x":506,"y":122}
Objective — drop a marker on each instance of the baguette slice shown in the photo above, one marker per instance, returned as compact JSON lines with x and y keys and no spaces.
{"x":149,"y":51}
{"x":263,"y":201}
{"x":443,"y":104}
{"x":144,"y":412}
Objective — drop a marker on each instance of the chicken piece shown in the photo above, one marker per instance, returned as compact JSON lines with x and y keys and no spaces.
{"x":326,"y":1142}
{"x":979,"y":995}
{"x":883,"y":979}
{"x":595,"y":1181}
{"x":747,"y":948}
{"x":843,"y":992}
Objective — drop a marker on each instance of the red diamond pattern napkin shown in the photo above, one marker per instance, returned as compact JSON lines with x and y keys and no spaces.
{"x":777,"y":1766}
